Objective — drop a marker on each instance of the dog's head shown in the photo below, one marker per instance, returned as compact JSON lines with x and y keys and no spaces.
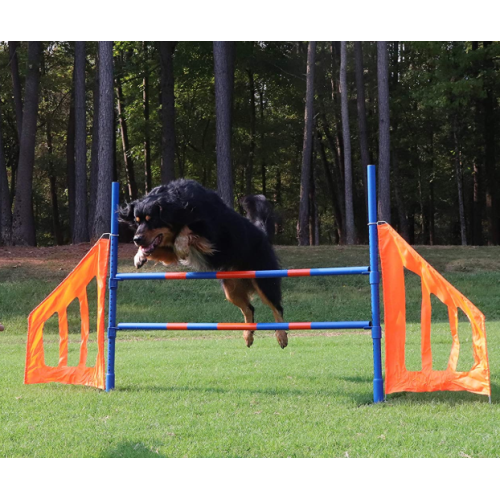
{"x":156,"y":222}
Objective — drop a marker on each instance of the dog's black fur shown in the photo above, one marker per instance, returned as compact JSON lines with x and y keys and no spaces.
{"x":218,"y":239}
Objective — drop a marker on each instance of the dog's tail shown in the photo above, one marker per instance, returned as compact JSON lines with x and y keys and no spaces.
{"x":260,"y":213}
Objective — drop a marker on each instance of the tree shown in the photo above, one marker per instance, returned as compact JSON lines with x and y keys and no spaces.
{"x":70,"y":163}
{"x":102,"y":218}
{"x":23,"y":222}
{"x":489,"y":103}
{"x":305,"y":179}
{"x":5,"y":210}
{"x":80,"y":230}
{"x":167,"y":111}
{"x":18,"y":105}
{"x":16,"y":86}
{"x":346,"y":134}
{"x":94,"y":153}
{"x":224,"y":85}
{"x":362,"y":123}
{"x":127,"y":158}
{"x":147,"y":129}
{"x":384,"y":166}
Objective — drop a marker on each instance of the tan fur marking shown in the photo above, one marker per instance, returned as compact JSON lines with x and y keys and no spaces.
{"x":281,"y":335}
{"x":165,"y":255}
{"x":238,"y":293}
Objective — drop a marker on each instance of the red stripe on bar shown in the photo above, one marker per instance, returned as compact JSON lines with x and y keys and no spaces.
{"x":299,"y":272}
{"x":175,"y":276}
{"x":177,"y":326}
{"x":299,"y":326}
{"x":236,"y":326}
{"x":235,"y":274}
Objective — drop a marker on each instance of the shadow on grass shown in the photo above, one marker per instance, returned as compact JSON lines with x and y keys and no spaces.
{"x":131,"y":450}
{"x":360,"y":399}
{"x":450,"y":397}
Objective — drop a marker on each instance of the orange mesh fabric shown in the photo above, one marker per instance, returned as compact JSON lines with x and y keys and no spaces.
{"x":94,"y":264}
{"x":396,"y":255}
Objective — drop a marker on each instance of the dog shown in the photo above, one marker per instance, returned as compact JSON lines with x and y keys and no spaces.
{"x":183,"y":222}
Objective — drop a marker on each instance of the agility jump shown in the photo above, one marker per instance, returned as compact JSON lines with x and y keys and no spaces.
{"x":396,"y":254}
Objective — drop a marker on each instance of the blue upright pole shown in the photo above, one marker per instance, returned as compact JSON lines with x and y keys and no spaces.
{"x":113,"y":265}
{"x":378,"y":381}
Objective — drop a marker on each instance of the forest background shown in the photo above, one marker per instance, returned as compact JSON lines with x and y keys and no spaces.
{"x":295,"y":121}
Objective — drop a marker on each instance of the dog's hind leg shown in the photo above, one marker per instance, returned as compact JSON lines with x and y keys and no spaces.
{"x":269,"y":291}
{"x":238,"y":293}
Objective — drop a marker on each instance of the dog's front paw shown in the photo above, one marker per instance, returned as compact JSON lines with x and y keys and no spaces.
{"x":282,"y":338}
{"x":140,"y":259}
{"x":248,"y":336}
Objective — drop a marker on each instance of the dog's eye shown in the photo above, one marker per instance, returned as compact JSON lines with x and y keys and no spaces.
{"x":138,"y":219}
{"x":148,"y":218}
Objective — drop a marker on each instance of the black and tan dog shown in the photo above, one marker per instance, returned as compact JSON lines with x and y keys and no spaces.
{"x":187,"y":223}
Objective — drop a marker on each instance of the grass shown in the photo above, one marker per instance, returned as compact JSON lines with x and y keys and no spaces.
{"x":206,"y":395}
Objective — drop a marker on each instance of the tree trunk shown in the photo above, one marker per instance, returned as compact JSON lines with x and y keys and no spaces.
{"x":167,"y":111}
{"x":362,"y":123}
{"x":262,"y":142}
{"x":346,"y":134}
{"x":332,"y":191}
{"x":5,"y":209}
{"x":305,"y":180}
{"x":251,"y":153}
{"x":23,"y":224}
{"x":490,"y":153}
{"x":403,"y":221}
{"x":55,"y":211}
{"x":80,"y":228}
{"x":224,"y":87}
{"x":127,"y":159}
{"x":70,"y":166}
{"x":102,"y":219}
{"x":56,"y":226}
{"x":16,"y":87}
{"x":477,"y":230}
{"x":337,"y":143}
{"x":18,"y":108}
{"x":148,"y":185}
{"x":94,"y":152}
{"x":314,"y":218}
{"x":458,"y":176}
{"x":384,"y":166}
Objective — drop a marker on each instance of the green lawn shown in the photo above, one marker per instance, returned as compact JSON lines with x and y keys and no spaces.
{"x":205,"y":394}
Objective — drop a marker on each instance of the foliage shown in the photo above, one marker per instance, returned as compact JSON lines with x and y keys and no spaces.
{"x":438,"y":89}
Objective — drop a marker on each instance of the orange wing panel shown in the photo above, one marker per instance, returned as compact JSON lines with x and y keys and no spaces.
{"x":94,"y":264}
{"x":395,"y":255}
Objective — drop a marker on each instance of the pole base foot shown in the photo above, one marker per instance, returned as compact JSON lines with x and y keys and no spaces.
{"x":110,"y":381}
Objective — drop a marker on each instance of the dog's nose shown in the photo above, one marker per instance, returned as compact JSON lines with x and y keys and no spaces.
{"x":138,"y":239}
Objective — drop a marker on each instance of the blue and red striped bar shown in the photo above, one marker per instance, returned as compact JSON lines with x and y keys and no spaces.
{"x":278,"y":273}
{"x":315,"y":325}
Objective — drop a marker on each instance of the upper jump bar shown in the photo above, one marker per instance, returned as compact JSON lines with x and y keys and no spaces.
{"x":315,"y":325}
{"x":279,"y":273}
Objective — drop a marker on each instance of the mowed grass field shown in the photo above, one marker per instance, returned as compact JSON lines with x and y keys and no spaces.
{"x":205,"y":394}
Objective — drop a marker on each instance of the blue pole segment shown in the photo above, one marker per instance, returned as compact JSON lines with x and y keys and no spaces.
{"x":113,"y":265}
{"x":378,"y":381}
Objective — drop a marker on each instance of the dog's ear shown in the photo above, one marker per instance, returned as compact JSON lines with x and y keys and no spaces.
{"x":126,"y":213}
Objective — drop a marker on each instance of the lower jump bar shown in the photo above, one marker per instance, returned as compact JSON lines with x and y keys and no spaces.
{"x":277,"y":273}
{"x":318,"y":325}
